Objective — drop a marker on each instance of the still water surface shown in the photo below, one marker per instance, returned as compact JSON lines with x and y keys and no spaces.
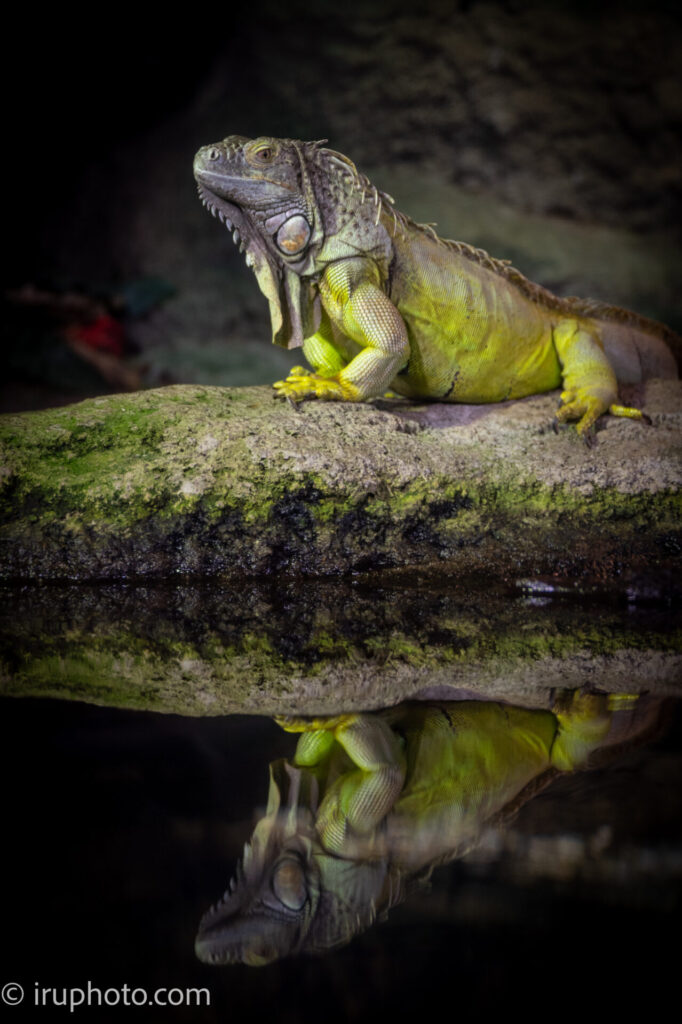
{"x":123,"y":827}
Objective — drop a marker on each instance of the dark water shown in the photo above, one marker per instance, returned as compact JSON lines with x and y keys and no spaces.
{"x":122,"y":827}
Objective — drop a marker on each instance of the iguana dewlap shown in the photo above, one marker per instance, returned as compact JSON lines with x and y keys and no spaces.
{"x":378,"y":301}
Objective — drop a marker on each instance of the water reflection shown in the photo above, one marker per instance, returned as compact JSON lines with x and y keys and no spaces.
{"x":372,"y":802}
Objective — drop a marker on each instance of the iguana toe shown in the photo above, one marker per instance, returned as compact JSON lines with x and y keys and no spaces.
{"x":628,"y":412}
{"x":582,"y":406}
{"x":299,"y":387}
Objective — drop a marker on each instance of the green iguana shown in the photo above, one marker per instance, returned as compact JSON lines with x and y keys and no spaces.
{"x":378,"y":301}
{"x":372,"y":802}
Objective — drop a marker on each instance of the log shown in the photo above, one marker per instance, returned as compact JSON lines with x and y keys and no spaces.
{"x":204,"y":480}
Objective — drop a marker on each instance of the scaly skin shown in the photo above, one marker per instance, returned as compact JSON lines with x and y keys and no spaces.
{"x":373,"y":801}
{"x":438,"y":770}
{"x":379,"y":302}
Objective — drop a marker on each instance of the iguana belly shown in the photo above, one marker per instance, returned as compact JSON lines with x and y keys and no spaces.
{"x":473,"y":337}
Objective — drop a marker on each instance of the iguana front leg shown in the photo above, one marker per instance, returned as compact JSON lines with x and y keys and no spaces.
{"x":590,"y":386}
{"x":358,"y":800}
{"x":320,"y":353}
{"x":357,"y":306}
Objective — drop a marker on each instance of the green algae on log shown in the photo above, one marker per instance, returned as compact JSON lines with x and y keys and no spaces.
{"x":201,"y":480}
{"x":327,"y":646}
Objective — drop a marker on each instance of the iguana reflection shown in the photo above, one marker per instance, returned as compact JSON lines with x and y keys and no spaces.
{"x":372,"y":802}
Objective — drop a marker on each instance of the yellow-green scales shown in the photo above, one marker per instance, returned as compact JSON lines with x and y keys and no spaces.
{"x":379,"y":302}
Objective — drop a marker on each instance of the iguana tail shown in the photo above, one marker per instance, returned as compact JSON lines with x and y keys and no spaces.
{"x":637,"y":348}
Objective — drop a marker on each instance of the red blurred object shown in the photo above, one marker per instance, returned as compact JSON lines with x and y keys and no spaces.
{"x":104,"y":334}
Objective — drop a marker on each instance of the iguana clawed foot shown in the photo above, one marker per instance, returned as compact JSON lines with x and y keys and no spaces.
{"x":579,"y":404}
{"x":301,"y":385}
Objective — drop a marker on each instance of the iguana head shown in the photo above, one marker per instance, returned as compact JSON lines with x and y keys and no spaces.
{"x":261,"y":191}
{"x":289,"y":895}
{"x":290,"y":205}
{"x":264,"y":183}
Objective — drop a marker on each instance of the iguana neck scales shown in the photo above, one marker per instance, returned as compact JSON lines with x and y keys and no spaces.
{"x":378,"y":301}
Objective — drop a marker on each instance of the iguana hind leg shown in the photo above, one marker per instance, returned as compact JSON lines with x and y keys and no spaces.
{"x":590,"y":385}
{"x":584,"y":720}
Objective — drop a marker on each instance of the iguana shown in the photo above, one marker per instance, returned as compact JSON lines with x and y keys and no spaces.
{"x":380,"y":302}
{"x":372,"y":802}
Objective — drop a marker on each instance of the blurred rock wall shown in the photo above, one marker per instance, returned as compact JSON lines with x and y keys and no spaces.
{"x":569,"y":108}
{"x":548,"y":132}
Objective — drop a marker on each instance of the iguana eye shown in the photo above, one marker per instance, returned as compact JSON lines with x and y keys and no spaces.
{"x":263,"y":154}
{"x":294,"y":235}
{"x":288,"y":884}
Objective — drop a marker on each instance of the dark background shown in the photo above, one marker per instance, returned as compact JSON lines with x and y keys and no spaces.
{"x":548,"y":132}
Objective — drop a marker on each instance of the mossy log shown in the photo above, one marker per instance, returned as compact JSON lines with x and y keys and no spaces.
{"x":200,"y":480}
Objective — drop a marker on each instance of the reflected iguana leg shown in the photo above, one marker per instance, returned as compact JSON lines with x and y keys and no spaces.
{"x":352,"y":297}
{"x":293,"y":723}
{"x":313,"y":748}
{"x":584,"y":722}
{"x":319,"y":736}
{"x":358,"y":800}
{"x":590,"y":386}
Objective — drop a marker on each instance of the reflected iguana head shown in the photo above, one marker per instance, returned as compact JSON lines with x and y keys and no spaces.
{"x":292,"y":207}
{"x":289,"y":895}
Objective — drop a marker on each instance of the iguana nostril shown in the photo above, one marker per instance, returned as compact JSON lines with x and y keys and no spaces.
{"x":214,"y":154}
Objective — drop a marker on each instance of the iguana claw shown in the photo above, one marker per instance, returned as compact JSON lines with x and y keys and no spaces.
{"x":579,"y":404}
{"x":300,"y":386}
{"x":588,"y":436}
{"x":587,"y":408}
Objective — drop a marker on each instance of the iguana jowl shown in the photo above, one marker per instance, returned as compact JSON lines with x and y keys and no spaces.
{"x":378,"y":301}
